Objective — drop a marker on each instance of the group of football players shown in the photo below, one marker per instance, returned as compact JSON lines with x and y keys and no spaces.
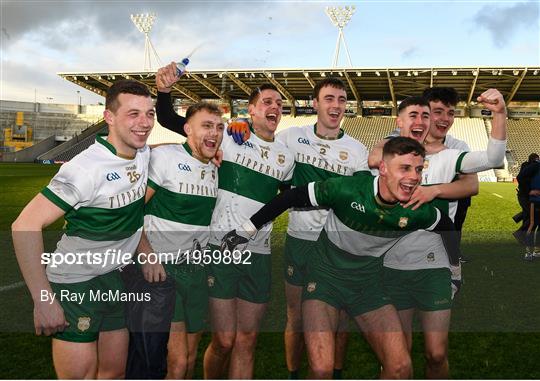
{"x":370,"y":235}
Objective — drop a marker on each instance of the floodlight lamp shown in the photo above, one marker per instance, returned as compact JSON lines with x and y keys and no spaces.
{"x":358,"y":73}
{"x":435,"y":73}
{"x":396,"y":73}
{"x":144,"y":22}
{"x":454,"y":72}
{"x":516,"y":71}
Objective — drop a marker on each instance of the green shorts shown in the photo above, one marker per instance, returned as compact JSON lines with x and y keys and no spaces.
{"x":191,"y":304}
{"x":297,"y":255}
{"x":101,"y":308}
{"x":344,"y":281}
{"x":249,"y":280}
{"x":426,"y":290}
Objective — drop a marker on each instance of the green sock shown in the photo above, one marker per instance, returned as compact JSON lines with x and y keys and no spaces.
{"x":337,"y":374}
{"x":293,"y":375}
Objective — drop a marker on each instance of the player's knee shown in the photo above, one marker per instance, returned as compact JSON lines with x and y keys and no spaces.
{"x":436,"y":356}
{"x":176,"y":367}
{"x":108,"y":374}
{"x":322,"y":370}
{"x":246,"y":341}
{"x":398,"y":369}
{"x":223,"y":342}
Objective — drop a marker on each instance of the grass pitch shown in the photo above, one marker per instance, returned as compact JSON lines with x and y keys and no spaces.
{"x":495,"y":323}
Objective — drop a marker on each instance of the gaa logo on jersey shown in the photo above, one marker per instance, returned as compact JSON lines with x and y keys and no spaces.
{"x":83,"y":323}
{"x":112,"y":176}
{"x":311,"y":286}
{"x":303,"y":141}
{"x":357,"y":206}
{"x":247,"y":143}
{"x":403,"y":221}
{"x":184,"y":167}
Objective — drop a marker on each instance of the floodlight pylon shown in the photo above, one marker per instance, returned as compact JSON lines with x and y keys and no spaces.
{"x":144,"y":23}
{"x":340,"y":17}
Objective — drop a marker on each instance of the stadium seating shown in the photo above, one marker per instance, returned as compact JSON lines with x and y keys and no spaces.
{"x":369,"y":130}
{"x":473,"y":131}
{"x":523,"y":139}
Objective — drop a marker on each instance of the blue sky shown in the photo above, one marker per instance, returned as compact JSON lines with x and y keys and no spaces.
{"x":40,"y":38}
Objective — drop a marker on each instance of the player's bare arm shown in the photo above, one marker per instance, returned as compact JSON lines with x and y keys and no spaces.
{"x":465,"y":186}
{"x":28,"y":241}
{"x":375,"y":155}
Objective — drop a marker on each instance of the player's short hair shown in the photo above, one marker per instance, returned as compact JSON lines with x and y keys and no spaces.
{"x":403,"y":146}
{"x":412,"y":101}
{"x":447,"y":95}
{"x":254,"y":96}
{"x":212,"y":108}
{"x":533,"y":157}
{"x":330,"y":81}
{"x":125,"y":86}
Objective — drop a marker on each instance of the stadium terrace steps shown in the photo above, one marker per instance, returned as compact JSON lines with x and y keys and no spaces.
{"x":473,"y":131}
{"x":523,"y":139}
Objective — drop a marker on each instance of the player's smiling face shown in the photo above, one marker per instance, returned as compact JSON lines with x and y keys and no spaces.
{"x":400,"y":176}
{"x":204,"y":134}
{"x":130,"y":125}
{"x":266,"y":112}
{"x":442,"y":118}
{"x":414,"y":122}
{"x":330,"y":106}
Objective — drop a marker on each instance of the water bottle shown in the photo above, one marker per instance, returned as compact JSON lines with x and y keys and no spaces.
{"x":181,"y":66}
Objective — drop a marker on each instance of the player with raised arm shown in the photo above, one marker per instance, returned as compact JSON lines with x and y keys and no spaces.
{"x":239,"y":292}
{"x":181,"y":195}
{"x":100,"y":193}
{"x":417,"y":275}
{"x":365,"y":220}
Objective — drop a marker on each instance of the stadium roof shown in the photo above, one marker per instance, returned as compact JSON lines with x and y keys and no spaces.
{"x":363,"y":84}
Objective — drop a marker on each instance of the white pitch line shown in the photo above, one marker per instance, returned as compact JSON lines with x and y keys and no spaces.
{"x":497,"y":195}
{"x":12,"y":286}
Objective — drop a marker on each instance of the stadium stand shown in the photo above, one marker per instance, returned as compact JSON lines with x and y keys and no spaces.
{"x":369,"y":130}
{"x":289,"y":121}
{"x":473,"y":131}
{"x":523,"y":139}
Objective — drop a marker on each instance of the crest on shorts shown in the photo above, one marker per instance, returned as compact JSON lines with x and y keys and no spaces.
{"x":403,"y":221}
{"x":343,"y":155}
{"x":211,"y":281}
{"x":281,"y":159}
{"x":430,"y":257}
{"x":84,"y":323}
{"x":290,"y":271}
{"x":311,"y":286}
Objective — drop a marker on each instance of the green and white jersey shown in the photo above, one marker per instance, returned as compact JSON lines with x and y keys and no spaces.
{"x":185,"y":195}
{"x":249,"y":177}
{"x":318,"y":159}
{"x":102,"y":196}
{"x":359,"y":223}
{"x":421,"y":249}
